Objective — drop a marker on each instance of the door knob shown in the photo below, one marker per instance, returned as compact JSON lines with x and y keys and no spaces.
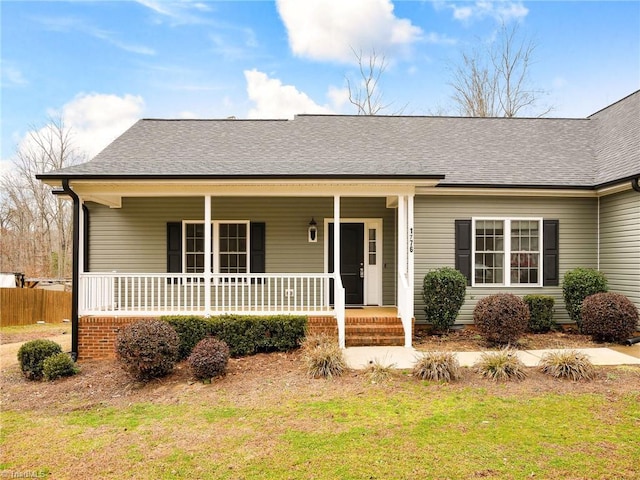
{"x":362,"y":270}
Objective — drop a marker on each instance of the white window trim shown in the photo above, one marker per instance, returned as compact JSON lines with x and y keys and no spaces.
{"x":507,"y":252}
{"x":215,"y":248}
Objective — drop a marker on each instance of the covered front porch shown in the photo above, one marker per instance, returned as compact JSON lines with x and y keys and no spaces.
{"x":285,"y":250}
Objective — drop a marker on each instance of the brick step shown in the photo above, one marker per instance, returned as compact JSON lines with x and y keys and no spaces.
{"x":394,"y":329}
{"x":375,"y":340}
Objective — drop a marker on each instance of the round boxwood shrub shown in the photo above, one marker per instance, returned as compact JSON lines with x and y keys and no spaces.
{"x":147,"y":348}
{"x":541,"y":311}
{"x":577,"y":285}
{"x":501,"y":318}
{"x":443,"y":292}
{"x":58,"y":365}
{"x":209,"y":358}
{"x":609,"y":317}
{"x":33,"y":354}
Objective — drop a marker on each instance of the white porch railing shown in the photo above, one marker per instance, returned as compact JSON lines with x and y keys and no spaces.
{"x":177,"y":294}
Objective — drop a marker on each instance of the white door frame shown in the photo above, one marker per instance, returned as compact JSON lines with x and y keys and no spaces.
{"x":372,"y":273}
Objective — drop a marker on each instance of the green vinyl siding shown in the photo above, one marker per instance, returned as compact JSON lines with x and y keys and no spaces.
{"x":132,"y":239}
{"x":435,"y":233}
{"x":620,"y":243}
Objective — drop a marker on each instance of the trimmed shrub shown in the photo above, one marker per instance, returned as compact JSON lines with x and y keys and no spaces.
{"x":147,"y":349}
{"x":443,"y":292}
{"x":209,"y":358}
{"x":577,"y":285}
{"x":190,"y":330}
{"x":501,"y":365}
{"x":245,"y":335}
{"x":437,"y":366}
{"x":609,"y":317}
{"x":32,"y":355}
{"x":325,"y":361}
{"x":58,"y":365}
{"x":501,"y":318}
{"x":569,"y":364}
{"x":541,"y":312}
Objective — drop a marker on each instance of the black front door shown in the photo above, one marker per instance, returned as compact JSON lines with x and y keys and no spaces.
{"x":351,"y":261}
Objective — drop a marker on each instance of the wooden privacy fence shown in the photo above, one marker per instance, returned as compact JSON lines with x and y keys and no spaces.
{"x":24,"y":306}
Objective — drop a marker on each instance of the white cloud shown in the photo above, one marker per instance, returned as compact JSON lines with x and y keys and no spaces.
{"x":97,"y":119}
{"x":10,"y":75}
{"x":179,"y":13}
{"x":274,"y":100}
{"x":501,"y":11}
{"x":329,"y":29}
{"x":338,"y":96}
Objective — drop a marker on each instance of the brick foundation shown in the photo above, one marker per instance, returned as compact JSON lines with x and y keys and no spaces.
{"x":97,"y":336}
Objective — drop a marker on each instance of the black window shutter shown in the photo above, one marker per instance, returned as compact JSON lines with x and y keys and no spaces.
{"x":550,"y":251}
{"x":257,"y":254}
{"x":463,"y":248}
{"x":174,"y":247}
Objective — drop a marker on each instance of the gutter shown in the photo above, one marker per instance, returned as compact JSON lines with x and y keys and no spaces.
{"x":75,"y":276}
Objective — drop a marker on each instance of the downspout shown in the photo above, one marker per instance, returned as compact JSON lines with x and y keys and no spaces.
{"x":635,"y":185}
{"x":75,"y":267}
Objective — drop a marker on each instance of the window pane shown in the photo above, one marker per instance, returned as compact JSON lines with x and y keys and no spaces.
{"x":489,"y":242}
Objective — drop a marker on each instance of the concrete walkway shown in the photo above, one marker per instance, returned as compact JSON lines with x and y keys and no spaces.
{"x":9,"y":351}
{"x":402,"y":358}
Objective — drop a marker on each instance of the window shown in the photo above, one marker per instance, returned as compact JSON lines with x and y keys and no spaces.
{"x":229,"y":252}
{"x":232,"y":248}
{"x":507,"y":251}
{"x":194,"y":247}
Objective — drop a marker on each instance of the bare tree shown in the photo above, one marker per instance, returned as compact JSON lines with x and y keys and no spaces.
{"x":36,"y":224}
{"x":365,"y":94}
{"x":495,"y":81}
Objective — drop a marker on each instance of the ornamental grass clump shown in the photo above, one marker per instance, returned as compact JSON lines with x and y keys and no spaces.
{"x":32,"y":355}
{"x":147,"y":349}
{"x":437,"y":366}
{"x":209,"y":358}
{"x":501,"y":318}
{"x":58,"y":366}
{"x":569,"y":364}
{"x":378,"y":371}
{"x":609,"y":317}
{"x":502,"y":365}
{"x":323,"y":358}
{"x":577,"y":285}
{"x":443,"y":292}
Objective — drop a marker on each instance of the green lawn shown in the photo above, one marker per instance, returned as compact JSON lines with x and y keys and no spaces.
{"x":410,"y":431}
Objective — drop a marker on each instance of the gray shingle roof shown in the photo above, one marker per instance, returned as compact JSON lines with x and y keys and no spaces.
{"x":467,"y":151}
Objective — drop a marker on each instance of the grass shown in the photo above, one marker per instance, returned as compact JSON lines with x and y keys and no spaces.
{"x":400,"y":433}
{"x":32,"y":331}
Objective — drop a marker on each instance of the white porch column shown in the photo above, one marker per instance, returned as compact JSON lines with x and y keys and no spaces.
{"x":402,"y":252}
{"x":338,"y":289}
{"x":410,"y":270}
{"x":81,"y":265}
{"x":207,"y":255}
{"x":405,"y":295}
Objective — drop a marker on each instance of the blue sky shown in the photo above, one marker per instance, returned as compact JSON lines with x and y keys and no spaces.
{"x":102,"y":65}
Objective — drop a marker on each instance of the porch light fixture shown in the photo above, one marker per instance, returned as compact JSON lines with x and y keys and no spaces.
{"x":313,"y":231}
